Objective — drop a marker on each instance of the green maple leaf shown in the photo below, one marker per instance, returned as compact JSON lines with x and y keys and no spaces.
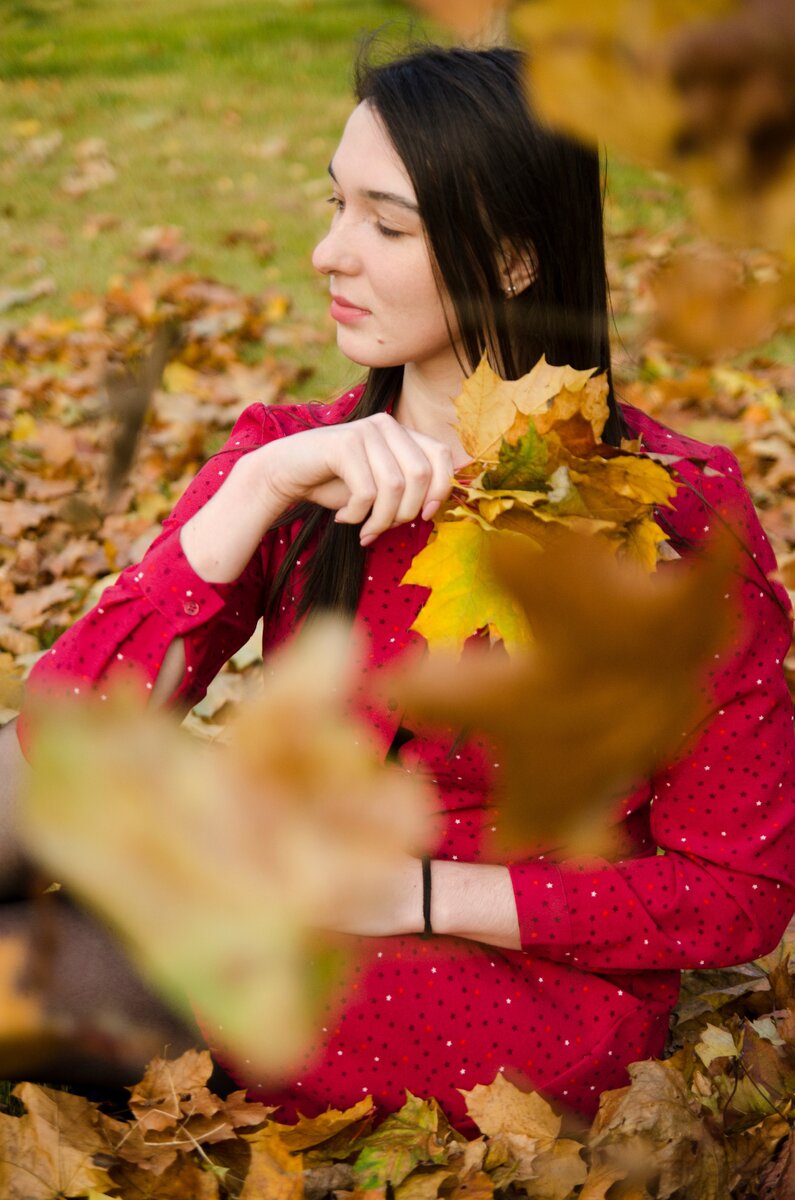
{"x":401,"y":1142}
{"x":522,"y":465}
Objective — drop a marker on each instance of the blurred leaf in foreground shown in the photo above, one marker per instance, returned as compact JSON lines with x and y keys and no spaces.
{"x":481,"y":20}
{"x":707,"y":306}
{"x":214,"y":863}
{"x":702,"y":88}
{"x":605,"y":693}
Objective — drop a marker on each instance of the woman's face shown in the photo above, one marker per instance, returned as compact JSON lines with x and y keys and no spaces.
{"x":384,"y":295}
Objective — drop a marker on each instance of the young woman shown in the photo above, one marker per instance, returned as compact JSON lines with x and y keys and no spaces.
{"x":461,"y":225}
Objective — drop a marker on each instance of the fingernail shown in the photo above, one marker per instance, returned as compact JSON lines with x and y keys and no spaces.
{"x":431,"y":508}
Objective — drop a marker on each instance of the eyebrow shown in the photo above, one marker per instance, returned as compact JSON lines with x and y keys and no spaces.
{"x":387,"y":197}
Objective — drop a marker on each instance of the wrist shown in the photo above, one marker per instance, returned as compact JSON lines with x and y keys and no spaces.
{"x":259,"y":474}
{"x":410,"y":917}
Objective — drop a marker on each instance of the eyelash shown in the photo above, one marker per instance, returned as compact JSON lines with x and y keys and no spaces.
{"x":384,"y":230}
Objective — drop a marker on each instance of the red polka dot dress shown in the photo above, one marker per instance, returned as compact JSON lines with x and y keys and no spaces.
{"x":708,"y":881}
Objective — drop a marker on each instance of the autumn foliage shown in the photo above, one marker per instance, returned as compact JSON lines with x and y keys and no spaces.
{"x":711,"y":1121}
{"x":105,"y":417}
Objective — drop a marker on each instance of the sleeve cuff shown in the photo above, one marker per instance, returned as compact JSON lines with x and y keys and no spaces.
{"x":172,"y":586}
{"x":541,"y":905}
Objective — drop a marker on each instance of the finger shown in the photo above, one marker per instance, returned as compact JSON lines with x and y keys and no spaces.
{"x":390,"y":485}
{"x":417,"y":471}
{"x":441,"y":482}
{"x":357,"y":476}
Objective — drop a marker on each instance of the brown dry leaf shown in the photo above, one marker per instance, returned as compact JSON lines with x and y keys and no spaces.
{"x":700,"y":87}
{"x":156,"y":1101}
{"x":312,"y":1131}
{"x":240,"y":1112}
{"x":424,"y":1184}
{"x":653,"y":1129}
{"x":29,"y":610}
{"x":604,"y":694}
{"x":183,"y":1180}
{"x":162,"y":243}
{"x":559,"y":1171}
{"x":475,"y":1187}
{"x":16,"y":516}
{"x":501,"y":1107}
{"x":48,"y":1152}
{"x":599,"y":1182}
{"x":274,"y":1172}
{"x":56,"y":443}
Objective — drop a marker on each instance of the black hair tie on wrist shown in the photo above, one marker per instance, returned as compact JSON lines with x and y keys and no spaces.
{"x":426,"y":897}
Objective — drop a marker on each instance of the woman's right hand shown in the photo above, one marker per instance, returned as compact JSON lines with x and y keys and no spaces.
{"x":373,"y":470}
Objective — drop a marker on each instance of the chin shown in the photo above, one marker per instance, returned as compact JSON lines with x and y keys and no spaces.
{"x":374,"y":356}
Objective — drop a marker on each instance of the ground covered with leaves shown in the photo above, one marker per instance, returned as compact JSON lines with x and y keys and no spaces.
{"x":711,"y":1121}
{"x":105,"y":418}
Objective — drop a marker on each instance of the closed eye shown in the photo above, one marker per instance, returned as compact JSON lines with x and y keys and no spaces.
{"x":338,"y":204}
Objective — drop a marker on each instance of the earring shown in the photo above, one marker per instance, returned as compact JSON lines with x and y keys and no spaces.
{"x":510,"y":290}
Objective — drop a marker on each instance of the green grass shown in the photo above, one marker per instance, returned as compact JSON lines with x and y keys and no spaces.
{"x":216,"y":115}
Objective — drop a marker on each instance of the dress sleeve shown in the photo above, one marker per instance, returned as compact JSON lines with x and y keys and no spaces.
{"x":719,"y":886}
{"x":161,"y":598}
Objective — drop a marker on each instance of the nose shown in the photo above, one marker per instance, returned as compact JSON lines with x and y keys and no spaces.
{"x":334,"y":254}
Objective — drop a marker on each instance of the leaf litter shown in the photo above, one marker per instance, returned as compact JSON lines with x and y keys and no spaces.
{"x":715,"y":1118}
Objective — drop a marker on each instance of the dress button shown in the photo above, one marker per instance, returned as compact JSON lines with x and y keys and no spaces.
{"x":190,"y":607}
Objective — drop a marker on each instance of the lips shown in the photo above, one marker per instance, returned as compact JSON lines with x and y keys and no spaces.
{"x":342,"y":310}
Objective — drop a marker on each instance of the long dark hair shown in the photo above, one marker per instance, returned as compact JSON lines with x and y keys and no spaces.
{"x":490,"y":180}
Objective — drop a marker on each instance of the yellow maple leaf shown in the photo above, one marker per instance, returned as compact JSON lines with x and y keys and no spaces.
{"x":465,"y":595}
{"x":545,"y":381}
{"x":486,"y":409}
{"x":491,"y":410}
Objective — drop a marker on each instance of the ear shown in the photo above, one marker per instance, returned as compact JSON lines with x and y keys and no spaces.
{"x":518,"y":269}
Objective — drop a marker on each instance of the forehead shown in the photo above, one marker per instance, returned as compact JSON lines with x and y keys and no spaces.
{"x":367,"y":156}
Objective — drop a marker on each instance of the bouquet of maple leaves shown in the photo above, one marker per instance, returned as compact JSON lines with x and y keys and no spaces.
{"x":538,"y":466}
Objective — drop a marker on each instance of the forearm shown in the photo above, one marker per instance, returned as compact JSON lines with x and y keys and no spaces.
{"x":475,"y":901}
{"x":219,"y":540}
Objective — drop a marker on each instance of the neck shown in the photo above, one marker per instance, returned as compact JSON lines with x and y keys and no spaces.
{"x":426,"y":404}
